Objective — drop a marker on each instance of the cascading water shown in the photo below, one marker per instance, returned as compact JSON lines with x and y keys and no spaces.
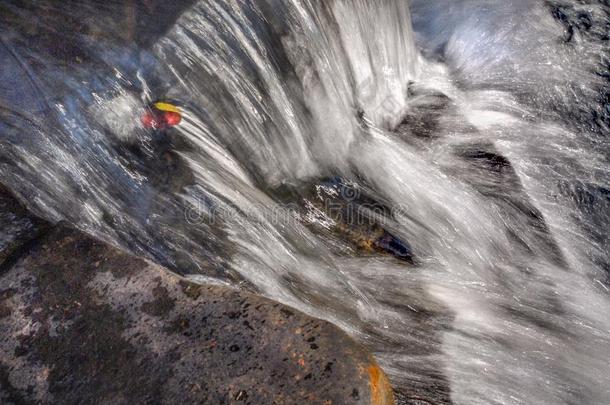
{"x":483,"y":131}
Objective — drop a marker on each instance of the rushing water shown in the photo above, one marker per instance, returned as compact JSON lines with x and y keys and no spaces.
{"x":480,"y":127}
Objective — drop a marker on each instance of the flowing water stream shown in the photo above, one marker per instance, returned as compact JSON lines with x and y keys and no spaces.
{"x":472,"y":134}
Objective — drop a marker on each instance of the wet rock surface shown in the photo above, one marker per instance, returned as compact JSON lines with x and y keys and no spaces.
{"x":82,"y":322}
{"x":18,"y":226}
{"x":341,"y":211}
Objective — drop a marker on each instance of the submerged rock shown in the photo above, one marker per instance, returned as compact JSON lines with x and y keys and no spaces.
{"x":82,"y":322}
{"x":343,"y":210}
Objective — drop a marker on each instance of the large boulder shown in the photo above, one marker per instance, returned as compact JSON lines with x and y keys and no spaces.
{"x":83,"y":322}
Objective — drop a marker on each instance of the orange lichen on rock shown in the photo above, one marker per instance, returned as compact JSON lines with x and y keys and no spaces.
{"x":381,"y":390}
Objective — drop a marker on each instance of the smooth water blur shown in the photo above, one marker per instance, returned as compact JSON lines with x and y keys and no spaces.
{"x":481,"y":125}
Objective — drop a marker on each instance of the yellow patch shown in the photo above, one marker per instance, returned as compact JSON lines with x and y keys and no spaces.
{"x":167,"y":107}
{"x":366,"y":244}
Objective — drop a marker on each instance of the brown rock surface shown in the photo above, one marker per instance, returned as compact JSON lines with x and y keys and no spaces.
{"x":82,"y":322}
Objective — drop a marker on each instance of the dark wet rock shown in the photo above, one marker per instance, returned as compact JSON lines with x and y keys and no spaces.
{"x":343,"y":210}
{"x":425,"y":113}
{"x":389,"y":243}
{"x":82,"y":322}
{"x":18,"y":226}
{"x":54,"y":24}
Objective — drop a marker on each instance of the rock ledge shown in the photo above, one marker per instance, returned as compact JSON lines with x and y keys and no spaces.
{"x":82,"y":322}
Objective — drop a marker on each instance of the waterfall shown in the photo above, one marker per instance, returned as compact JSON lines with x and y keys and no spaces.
{"x":476,"y":125}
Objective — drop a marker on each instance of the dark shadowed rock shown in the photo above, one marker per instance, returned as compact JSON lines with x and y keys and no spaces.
{"x":82,"y":322}
{"x":17,"y":226}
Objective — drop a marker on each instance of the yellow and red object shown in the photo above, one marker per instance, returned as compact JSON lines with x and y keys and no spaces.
{"x":161,"y":115}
